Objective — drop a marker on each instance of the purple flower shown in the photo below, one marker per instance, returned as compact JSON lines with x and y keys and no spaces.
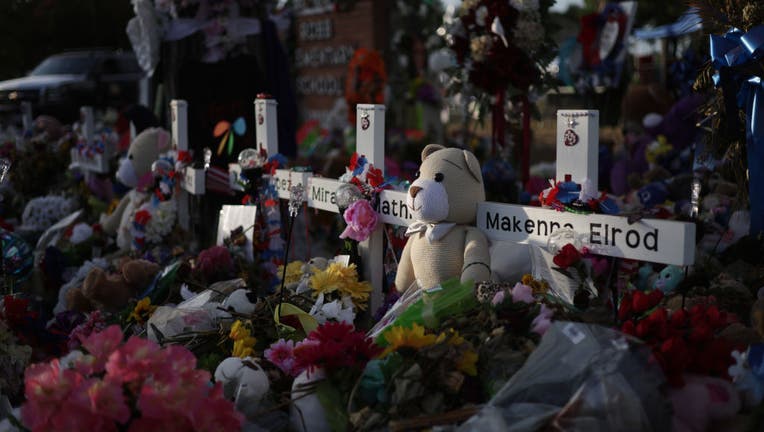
{"x":522,"y":293}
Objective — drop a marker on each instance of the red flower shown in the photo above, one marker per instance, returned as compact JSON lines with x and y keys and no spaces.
{"x":567,"y":256}
{"x":624,"y":309}
{"x":679,"y":318}
{"x":374,"y":177}
{"x":640,"y":302}
{"x":142,"y":217}
{"x":333,"y":346}
{"x":628,"y":328}
{"x":655,"y":297}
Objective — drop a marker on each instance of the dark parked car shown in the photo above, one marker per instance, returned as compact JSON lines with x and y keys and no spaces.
{"x":64,"y":82}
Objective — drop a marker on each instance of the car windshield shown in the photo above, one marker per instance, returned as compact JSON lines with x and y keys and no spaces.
{"x":64,"y":65}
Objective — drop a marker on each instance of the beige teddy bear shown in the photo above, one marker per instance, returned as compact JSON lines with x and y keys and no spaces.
{"x":135,"y":172}
{"x":442,"y":242}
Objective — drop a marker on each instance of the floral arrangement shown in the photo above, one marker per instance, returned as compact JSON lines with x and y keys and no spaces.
{"x":334,"y":285}
{"x":104,"y":141}
{"x":42,"y":212}
{"x":683,"y":341}
{"x":417,"y":373}
{"x":363,"y":182}
{"x":214,"y":264}
{"x":134,"y":385}
{"x":365,"y":81}
{"x":577,"y":198}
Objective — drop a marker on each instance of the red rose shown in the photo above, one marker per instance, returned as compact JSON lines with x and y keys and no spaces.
{"x":643,"y":329}
{"x":567,"y":256}
{"x":142,"y":217}
{"x":640,"y":302}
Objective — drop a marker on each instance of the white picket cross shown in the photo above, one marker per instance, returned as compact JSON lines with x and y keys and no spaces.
{"x":192,"y":180}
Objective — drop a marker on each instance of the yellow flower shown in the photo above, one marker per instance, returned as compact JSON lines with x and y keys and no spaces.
{"x":243,"y":342}
{"x":344,"y":274}
{"x":467,"y":362}
{"x":293,"y":272}
{"x":398,"y":337}
{"x":142,"y":311}
{"x":454,"y":338}
{"x":538,"y":286}
{"x":324,"y":282}
{"x":244,"y":347}
{"x":358,"y":292}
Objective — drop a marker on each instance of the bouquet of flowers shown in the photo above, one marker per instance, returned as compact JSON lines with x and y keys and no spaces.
{"x":417,"y":373}
{"x":134,"y":385}
{"x":683,"y":341}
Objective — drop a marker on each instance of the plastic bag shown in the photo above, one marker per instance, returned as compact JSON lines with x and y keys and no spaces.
{"x":428,"y":307}
{"x":582,"y":377}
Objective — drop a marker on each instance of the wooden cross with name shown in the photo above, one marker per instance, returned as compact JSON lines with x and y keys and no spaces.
{"x":652,"y":240}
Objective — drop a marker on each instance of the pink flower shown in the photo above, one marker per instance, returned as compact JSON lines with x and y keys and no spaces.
{"x":218,"y":414}
{"x":46,"y":387}
{"x":102,"y":344}
{"x":498,"y":298}
{"x":102,"y":398}
{"x":134,"y":360}
{"x":361,"y":220}
{"x":214,"y":261}
{"x":281,"y":354}
{"x":542,"y":322}
{"x":522,"y":293}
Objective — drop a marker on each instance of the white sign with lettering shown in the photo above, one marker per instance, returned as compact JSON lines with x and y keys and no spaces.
{"x":393,"y":209}
{"x":652,"y":240}
{"x":322,"y":194}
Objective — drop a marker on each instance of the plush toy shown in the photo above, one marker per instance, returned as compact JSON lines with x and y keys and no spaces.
{"x":668,"y":279}
{"x":442,"y":243}
{"x":111,"y":292}
{"x":135,"y":172}
{"x":701,"y":401}
{"x":244,"y":382}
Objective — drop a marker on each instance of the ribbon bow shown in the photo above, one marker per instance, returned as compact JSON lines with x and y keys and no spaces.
{"x":433,"y":232}
{"x":736,"y":57}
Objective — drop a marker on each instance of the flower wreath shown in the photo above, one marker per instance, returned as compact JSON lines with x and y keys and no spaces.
{"x":365,"y":81}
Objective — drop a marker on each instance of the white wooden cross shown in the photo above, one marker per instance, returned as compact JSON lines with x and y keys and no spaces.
{"x":97,"y":162}
{"x":652,"y":240}
{"x":193,"y":179}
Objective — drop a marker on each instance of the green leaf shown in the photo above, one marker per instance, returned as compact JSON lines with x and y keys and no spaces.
{"x":332,"y":402}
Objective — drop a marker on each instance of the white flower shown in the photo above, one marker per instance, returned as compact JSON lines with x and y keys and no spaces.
{"x":80,"y":233}
{"x":340,"y":311}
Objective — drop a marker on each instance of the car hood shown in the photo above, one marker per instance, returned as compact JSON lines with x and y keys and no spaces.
{"x":39,"y":81}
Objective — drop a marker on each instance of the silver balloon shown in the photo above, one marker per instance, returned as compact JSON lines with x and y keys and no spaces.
{"x":5,"y":167}
{"x":250,"y":158}
{"x":347,"y":193}
{"x":559,"y":238}
{"x":161,"y":168}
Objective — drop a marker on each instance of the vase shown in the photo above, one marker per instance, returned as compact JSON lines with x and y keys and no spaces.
{"x":306,"y":414}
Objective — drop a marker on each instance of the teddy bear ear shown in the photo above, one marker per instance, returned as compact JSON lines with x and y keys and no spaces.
{"x":473,"y":166}
{"x":430,"y":149}
{"x":163,"y":140}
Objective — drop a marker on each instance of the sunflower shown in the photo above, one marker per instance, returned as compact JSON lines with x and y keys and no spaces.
{"x":324,"y":282}
{"x":399,"y":337}
{"x":293,"y":272}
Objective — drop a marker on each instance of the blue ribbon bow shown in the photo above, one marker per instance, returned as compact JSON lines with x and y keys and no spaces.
{"x":729,"y":53}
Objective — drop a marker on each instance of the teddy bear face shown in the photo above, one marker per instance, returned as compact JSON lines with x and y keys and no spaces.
{"x":135,"y":169}
{"x":448,"y":187}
